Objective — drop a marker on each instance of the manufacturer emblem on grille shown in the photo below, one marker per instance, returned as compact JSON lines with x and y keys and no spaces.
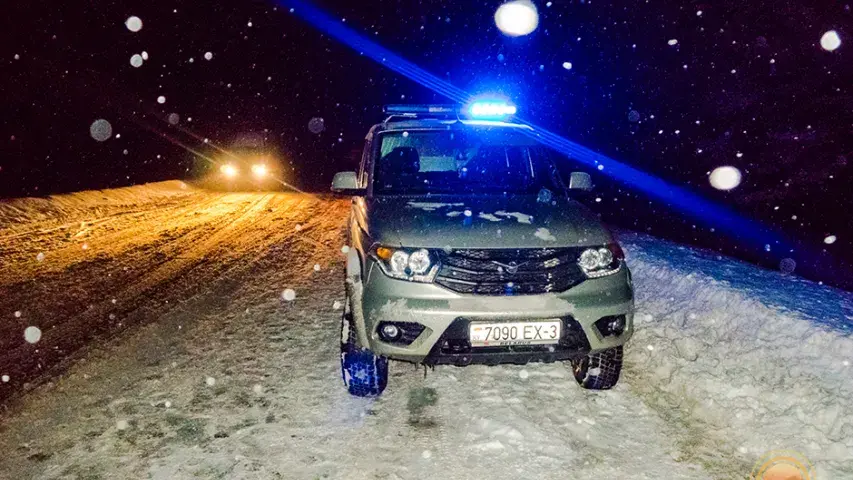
{"x":511,"y":267}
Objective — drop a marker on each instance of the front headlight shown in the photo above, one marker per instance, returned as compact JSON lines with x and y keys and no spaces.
{"x":415,"y":265}
{"x":228,"y":170}
{"x":259,"y":170}
{"x":600,"y":262}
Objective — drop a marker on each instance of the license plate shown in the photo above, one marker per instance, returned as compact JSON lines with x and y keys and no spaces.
{"x":515,"y":333}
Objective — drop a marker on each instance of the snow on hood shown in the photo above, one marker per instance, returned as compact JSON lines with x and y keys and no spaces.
{"x":430,"y":206}
{"x":483,"y":222}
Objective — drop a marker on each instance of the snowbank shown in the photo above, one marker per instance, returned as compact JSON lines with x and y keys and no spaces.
{"x":751,"y":360}
{"x":23,"y":210}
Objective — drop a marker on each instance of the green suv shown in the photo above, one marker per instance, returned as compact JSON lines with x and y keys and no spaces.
{"x":468,"y":247}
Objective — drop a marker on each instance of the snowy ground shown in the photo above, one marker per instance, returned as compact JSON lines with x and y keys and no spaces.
{"x":199,"y":368}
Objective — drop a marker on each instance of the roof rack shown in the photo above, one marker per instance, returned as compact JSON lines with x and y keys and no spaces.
{"x":402,"y":112}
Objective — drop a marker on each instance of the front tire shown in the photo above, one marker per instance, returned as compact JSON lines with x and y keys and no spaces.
{"x":365,"y":374}
{"x":599,"y":371}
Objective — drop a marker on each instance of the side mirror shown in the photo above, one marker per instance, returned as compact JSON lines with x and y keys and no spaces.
{"x":346,"y":183}
{"x":580,"y":181}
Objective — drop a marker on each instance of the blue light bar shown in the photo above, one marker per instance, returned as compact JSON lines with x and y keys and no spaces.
{"x":491,"y":110}
{"x":402,"y":109}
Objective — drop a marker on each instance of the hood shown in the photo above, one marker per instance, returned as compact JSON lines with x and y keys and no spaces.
{"x":483,"y":222}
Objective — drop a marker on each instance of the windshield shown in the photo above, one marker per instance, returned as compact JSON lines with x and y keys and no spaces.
{"x":471,"y":161}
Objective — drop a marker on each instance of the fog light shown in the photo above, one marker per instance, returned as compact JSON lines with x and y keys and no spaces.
{"x":611,"y":326}
{"x":389,"y":332}
{"x":617,"y":325}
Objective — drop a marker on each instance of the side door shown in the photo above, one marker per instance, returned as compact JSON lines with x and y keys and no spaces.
{"x":358,"y":220}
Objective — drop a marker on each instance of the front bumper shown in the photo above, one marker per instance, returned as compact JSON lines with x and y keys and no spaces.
{"x":445,"y":316}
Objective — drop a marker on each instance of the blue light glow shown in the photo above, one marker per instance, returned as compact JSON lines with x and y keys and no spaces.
{"x":679,"y":198}
{"x":484,"y":109}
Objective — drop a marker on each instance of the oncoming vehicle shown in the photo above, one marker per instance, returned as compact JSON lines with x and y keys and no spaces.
{"x":250,"y":163}
{"x":467,"y":247}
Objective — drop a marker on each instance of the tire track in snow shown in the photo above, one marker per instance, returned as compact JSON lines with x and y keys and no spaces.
{"x":69,"y":334}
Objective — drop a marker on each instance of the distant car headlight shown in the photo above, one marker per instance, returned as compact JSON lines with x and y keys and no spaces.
{"x":229,"y":170}
{"x":415,"y":265}
{"x":600,"y":262}
{"x":259,"y":170}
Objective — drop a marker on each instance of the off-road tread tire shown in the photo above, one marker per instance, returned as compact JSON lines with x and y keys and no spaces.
{"x":364,"y":373}
{"x":609,"y":365}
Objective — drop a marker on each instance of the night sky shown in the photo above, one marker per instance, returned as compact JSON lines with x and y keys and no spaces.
{"x":673,"y":88}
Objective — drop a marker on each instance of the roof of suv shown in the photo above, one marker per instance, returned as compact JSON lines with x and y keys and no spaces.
{"x":440,"y":123}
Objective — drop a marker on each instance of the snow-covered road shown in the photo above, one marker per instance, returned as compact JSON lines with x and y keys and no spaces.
{"x":172,"y":354}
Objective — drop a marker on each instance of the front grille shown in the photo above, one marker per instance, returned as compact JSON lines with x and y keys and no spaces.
{"x":509,"y":271}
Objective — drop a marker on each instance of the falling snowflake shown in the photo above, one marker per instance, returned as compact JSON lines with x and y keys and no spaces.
{"x":830,"y":240}
{"x":5,"y":378}
{"x":316,"y":267}
{"x":725,"y":178}
{"x":134,"y":23}
{"x":523,"y":374}
{"x":426,"y":454}
{"x":345,"y":249}
{"x":173,"y":118}
{"x":633,"y":116}
{"x":208,"y":56}
{"x":316,"y":125}
{"x":145,"y":55}
{"x":336,"y":305}
{"x":650,"y":347}
{"x":122,"y":425}
{"x":40,"y":257}
{"x":288,"y":294}
{"x":787,"y":265}
{"x":136,"y":60}
{"x":161,"y":99}
{"x":567,"y":65}
{"x":517,"y":18}
{"x":258,"y":389}
{"x":830,"y":41}
{"x":101,"y":130}
{"x":32,"y":334}
{"x":699,"y":13}
{"x":672,"y":42}
{"x":210,"y":381}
